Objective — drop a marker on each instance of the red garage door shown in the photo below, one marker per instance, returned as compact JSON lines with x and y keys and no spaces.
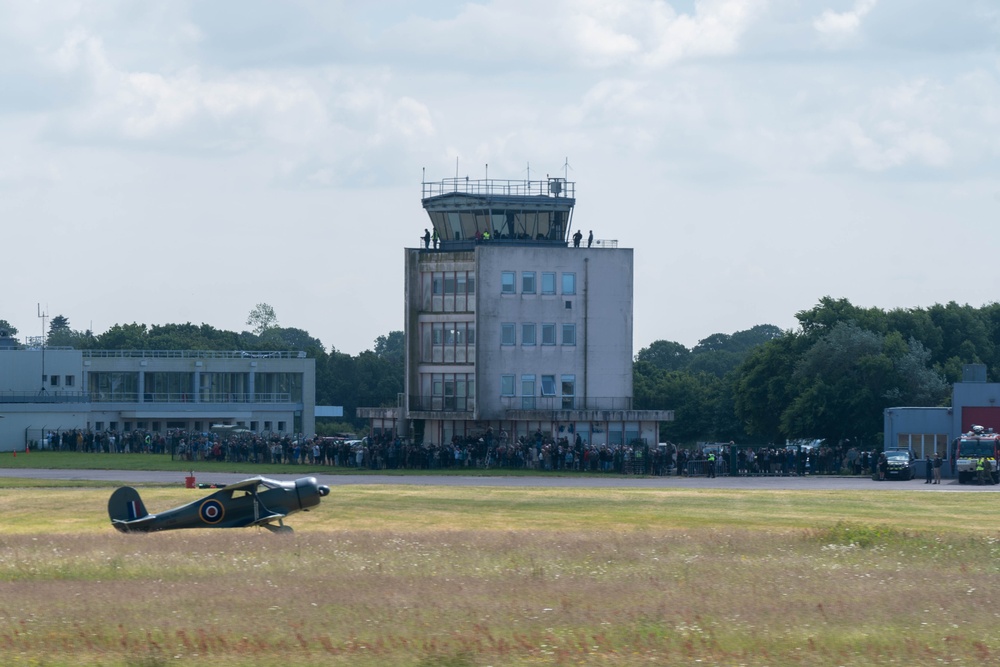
{"x":988,"y":417}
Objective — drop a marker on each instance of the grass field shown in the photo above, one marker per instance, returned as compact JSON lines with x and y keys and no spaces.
{"x":459,"y":576}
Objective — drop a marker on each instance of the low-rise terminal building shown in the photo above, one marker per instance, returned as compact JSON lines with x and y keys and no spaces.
{"x":47,"y":390}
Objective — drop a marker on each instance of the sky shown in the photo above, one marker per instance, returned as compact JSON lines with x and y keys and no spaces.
{"x":171,"y":161}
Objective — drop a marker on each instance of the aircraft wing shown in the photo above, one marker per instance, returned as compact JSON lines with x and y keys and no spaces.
{"x":245,"y":484}
{"x":267,"y":518}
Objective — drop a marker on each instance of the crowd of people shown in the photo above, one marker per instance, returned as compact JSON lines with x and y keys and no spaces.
{"x":383,"y":451}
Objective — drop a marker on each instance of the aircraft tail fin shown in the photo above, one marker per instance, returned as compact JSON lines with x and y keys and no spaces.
{"x":125,"y":505}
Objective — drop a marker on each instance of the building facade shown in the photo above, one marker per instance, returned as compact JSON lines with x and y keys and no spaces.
{"x":514,"y":324}
{"x":54,"y":390}
{"x":974,"y":401}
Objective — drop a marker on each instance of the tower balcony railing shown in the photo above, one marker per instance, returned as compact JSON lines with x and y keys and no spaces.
{"x":493,"y":187}
{"x":545,"y":403}
{"x":44,"y":397}
{"x":193,"y":354}
{"x":556,"y":403}
{"x":442,"y":404}
{"x":214,"y":397}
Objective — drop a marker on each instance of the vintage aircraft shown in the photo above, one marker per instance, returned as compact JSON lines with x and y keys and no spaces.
{"x":257,"y":501}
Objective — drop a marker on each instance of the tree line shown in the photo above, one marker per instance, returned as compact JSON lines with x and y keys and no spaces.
{"x":831,"y":377}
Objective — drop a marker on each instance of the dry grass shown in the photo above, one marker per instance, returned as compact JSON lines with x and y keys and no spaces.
{"x":556,"y":580}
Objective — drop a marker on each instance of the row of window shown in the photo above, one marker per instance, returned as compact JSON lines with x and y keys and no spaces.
{"x":53,"y":380}
{"x":567,"y":388}
{"x":529,"y":334}
{"x":529,"y":282}
{"x":448,"y":291}
{"x":451,"y":283}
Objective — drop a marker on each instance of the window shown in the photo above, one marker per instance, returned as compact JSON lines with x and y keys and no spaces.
{"x":548,"y":334}
{"x":507,"y":334}
{"x":569,"y":283}
{"x":438,"y":284}
{"x":568,"y":391}
{"x":528,"y":282}
{"x":548,"y":283}
{"x":70,"y":380}
{"x":507,"y":282}
{"x":506,"y":385}
{"x":569,"y":334}
{"x":527,"y":392}
{"x":54,"y":380}
{"x":548,"y":385}
{"x":281,"y":427}
{"x":528,"y":333}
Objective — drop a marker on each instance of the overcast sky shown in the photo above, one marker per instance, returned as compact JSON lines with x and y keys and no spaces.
{"x":170,"y":161}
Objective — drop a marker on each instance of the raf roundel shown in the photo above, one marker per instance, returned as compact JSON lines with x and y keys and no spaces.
{"x":211,"y":511}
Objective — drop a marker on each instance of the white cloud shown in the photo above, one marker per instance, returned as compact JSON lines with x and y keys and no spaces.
{"x":841,"y":25}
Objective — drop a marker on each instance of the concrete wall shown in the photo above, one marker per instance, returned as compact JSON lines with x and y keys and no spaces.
{"x":601,"y":309}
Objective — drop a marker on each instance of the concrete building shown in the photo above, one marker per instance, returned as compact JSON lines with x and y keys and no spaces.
{"x":51,"y":390}
{"x":514,"y":323}
{"x":932,"y":430}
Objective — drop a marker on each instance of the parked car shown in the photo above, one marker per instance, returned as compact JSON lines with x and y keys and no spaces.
{"x":902,"y":464}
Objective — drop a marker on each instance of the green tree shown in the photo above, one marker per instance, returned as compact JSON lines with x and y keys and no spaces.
{"x":392,"y":348}
{"x":123,"y":337}
{"x":664,"y":355}
{"x":843,"y":383}
{"x":763,"y":386}
{"x":262,"y":318}
{"x":59,"y":332}
{"x":9,"y":328}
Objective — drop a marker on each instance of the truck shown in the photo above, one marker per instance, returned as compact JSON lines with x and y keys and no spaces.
{"x":977,"y":443}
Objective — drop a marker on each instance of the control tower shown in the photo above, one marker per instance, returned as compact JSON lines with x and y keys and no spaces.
{"x":514,"y":324}
{"x":465,"y":211}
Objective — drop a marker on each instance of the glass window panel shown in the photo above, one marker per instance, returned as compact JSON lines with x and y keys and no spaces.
{"x":507,"y":334}
{"x":569,"y":334}
{"x":506,"y":385}
{"x":548,"y":385}
{"x":569,"y":283}
{"x":548,"y":283}
{"x":548,"y":334}
{"x":528,"y":392}
{"x":528,"y":282}
{"x":507,"y":282}
{"x":528,"y":333}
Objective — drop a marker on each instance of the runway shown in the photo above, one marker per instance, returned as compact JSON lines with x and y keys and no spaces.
{"x":807,"y":482}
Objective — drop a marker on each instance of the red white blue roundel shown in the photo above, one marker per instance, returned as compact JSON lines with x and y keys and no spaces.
{"x":211,"y":511}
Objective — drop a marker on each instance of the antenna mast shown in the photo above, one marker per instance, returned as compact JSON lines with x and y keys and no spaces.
{"x":43,"y":316}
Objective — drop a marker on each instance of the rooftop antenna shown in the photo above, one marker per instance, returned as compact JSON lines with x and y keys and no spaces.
{"x":566,"y":169}
{"x":456,"y":167}
{"x":43,"y":315}
{"x":487,"y":171}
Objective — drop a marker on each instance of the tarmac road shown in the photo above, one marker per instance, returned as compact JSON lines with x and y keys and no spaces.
{"x":822,"y":482}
